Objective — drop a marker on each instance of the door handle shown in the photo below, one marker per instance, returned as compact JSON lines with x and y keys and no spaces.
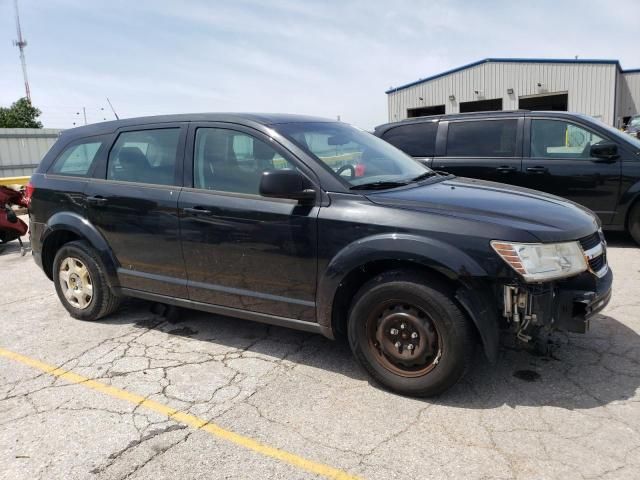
{"x":97,"y":200}
{"x":197,"y":210}
{"x":537,"y":170}
{"x":506,"y":169}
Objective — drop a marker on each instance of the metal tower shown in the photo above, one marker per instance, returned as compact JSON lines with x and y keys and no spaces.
{"x":21,"y":43}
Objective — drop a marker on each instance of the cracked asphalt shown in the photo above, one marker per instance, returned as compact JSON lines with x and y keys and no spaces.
{"x":574,"y":414}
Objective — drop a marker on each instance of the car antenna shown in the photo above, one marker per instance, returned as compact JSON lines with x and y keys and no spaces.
{"x":113,"y":109}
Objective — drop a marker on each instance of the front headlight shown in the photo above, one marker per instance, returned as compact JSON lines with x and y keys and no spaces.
{"x":539,"y":262}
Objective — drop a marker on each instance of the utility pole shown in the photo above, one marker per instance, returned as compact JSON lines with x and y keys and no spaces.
{"x":21,"y":43}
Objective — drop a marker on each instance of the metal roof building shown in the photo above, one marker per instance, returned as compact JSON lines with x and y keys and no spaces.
{"x":599,"y":88}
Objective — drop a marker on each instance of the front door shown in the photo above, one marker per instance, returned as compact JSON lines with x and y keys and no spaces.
{"x":243,"y":250}
{"x":560,"y":162}
{"x":134,"y":204}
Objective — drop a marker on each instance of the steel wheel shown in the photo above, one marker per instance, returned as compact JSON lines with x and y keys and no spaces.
{"x":404,"y":338}
{"x":75,"y":282}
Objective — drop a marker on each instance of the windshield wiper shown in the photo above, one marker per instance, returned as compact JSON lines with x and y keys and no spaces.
{"x":378,"y":185}
{"x":424,"y":176}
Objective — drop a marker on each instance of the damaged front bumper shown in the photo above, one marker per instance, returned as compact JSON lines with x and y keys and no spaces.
{"x":566,"y":305}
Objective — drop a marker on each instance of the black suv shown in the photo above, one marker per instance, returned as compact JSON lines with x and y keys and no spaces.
{"x":566,"y":154}
{"x":316,"y":225}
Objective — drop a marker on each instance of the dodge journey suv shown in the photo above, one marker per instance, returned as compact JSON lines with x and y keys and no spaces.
{"x":316,"y":225}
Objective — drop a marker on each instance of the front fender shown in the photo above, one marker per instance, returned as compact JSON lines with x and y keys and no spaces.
{"x":427,"y":252}
{"x":79,"y":225}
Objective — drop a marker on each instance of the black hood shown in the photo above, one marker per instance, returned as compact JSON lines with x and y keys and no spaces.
{"x":547,"y":217}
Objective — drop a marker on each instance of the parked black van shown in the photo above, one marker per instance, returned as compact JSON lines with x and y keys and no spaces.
{"x":570,"y":155}
{"x":316,"y":225}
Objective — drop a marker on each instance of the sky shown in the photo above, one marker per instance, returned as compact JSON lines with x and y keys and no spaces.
{"x":326,"y":58}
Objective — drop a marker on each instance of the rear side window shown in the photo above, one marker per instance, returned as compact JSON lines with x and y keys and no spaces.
{"x":416,"y":139}
{"x":145,"y":156}
{"x":77,"y":159}
{"x":488,"y":138}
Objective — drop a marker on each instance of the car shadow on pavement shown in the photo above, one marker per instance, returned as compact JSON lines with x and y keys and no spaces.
{"x":581,"y":372}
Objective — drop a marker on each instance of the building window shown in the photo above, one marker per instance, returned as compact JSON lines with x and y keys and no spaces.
{"x":425,"y":111}
{"x":556,"y":102}
{"x":481,"y":105}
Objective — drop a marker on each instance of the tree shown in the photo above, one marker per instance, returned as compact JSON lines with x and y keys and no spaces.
{"x":20,"y":115}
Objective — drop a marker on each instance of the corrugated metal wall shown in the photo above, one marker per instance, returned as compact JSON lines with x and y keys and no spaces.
{"x":591,"y":88}
{"x":21,"y":149}
{"x":629,"y":94}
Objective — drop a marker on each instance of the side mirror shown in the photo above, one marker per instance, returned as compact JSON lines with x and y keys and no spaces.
{"x":286,"y":184}
{"x":604,"y":150}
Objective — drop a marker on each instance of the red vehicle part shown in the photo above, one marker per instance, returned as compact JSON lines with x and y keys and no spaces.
{"x":11,"y":227}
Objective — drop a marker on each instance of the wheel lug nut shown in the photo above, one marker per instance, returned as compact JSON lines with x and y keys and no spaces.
{"x":397,"y":344}
{"x":414,"y":335}
{"x":410,"y":346}
{"x":394,"y":331}
{"x":402,"y":326}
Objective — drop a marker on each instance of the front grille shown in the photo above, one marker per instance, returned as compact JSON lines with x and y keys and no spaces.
{"x":595,"y":247}
{"x":590,"y":241}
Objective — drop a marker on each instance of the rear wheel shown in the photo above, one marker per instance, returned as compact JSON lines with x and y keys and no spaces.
{"x":81,"y":282}
{"x":634,"y":222}
{"x":411,"y":337}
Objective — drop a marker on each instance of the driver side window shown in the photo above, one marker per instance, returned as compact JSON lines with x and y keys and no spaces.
{"x":560,"y":139}
{"x":232,"y":161}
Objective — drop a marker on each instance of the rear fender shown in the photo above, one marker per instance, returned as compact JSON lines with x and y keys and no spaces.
{"x":79,"y":225}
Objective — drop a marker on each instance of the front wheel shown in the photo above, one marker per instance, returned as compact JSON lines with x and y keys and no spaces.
{"x":81,"y":282}
{"x":634,"y":222}
{"x":407,"y":331}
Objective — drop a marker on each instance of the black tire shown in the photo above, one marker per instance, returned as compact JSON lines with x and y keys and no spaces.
{"x":102,"y":301}
{"x":393,"y":293}
{"x":633,"y":225}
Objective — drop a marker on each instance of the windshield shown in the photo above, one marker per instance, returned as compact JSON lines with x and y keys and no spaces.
{"x":617,"y":133}
{"x":634,"y":122}
{"x":355,"y":156}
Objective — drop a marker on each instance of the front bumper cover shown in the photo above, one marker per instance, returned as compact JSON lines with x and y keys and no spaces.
{"x":577,"y":300}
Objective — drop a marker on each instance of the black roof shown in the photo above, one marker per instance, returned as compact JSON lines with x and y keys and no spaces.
{"x":490,"y":113}
{"x":249,"y":119}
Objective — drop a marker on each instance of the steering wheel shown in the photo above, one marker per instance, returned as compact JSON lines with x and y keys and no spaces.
{"x":344,"y":168}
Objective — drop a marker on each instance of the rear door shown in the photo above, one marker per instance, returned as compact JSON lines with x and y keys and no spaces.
{"x":133,"y":201}
{"x":415,"y":139}
{"x":558,"y":161}
{"x":488,"y":149}
{"x":242,"y":250}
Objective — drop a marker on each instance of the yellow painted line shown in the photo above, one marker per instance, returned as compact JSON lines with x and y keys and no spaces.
{"x":14,"y":180}
{"x":185,"y":418}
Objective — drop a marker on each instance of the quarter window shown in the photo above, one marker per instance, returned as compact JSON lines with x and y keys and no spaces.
{"x":560,"y":139}
{"x":77,"y":159}
{"x":415,"y":139}
{"x":485,"y":138}
{"x":146,"y":156}
{"x":232,"y":161}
